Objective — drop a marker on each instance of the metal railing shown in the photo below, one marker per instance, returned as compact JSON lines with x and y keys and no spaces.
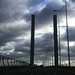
{"x":7,"y":61}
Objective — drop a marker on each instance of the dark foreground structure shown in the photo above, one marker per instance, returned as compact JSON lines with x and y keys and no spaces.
{"x":39,"y":71}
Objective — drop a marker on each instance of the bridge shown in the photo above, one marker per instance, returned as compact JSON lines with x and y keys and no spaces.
{"x":11,"y":66}
{"x":7,"y":61}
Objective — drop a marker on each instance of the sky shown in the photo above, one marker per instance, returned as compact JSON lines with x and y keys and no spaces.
{"x":15,"y":29}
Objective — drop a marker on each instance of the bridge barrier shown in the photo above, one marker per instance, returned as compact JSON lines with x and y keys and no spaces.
{"x":7,"y":61}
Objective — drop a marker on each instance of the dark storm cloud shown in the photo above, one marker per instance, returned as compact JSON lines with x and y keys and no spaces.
{"x":24,"y":47}
{"x":71,"y":39}
{"x":45,"y":16}
{"x":17,"y":56}
{"x":8,"y":11}
{"x":71,"y":34}
{"x":10,"y":34}
{"x":11,"y":10}
{"x":72,"y":0}
{"x":4,"y":38}
{"x":32,"y":3}
{"x":42,"y":46}
{"x":72,"y":51}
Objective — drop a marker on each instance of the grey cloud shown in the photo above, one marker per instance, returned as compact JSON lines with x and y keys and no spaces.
{"x":32,"y":3}
{"x":44,"y":43}
{"x":16,"y":55}
{"x":72,"y":0}
{"x":24,"y":47}
{"x":71,"y":34}
{"x":9,"y":28}
{"x":41,"y":47}
{"x":45,"y":16}
{"x":4,"y":38}
{"x":10,"y":10}
{"x":72,"y":51}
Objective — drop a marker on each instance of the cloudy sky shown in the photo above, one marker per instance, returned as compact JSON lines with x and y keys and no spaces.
{"x":15,"y":28}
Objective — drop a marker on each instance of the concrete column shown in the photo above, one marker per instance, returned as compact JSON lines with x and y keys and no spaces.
{"x":32,"y":39}
{"x":55,"y":40}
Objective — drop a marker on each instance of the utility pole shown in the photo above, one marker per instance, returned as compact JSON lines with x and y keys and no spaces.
{"x":59,"y":46}
{"x":32,"y":39}
{"x":55,"y":40}
{"x":67,"y":34}
{"x":52,"y":51}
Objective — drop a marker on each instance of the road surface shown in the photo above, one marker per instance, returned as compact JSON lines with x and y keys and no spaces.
{"x":38,"y":71}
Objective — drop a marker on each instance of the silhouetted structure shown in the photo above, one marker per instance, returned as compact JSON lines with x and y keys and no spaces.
{"x":67,"y":34}
{"x":32,"y":39}
{"x":66,"y":29}
{"x":7,"y":61}
{"x":55,"y":40}
{"x":59,"y":46}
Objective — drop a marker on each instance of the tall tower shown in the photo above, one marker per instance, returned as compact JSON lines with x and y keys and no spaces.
{"x":55,"y":40}
{"x":32,"y":39}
